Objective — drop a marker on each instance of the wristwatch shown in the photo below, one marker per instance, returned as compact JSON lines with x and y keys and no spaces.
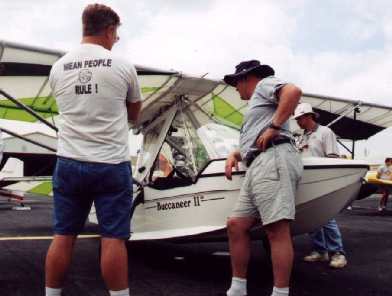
{"x":275,"y":127}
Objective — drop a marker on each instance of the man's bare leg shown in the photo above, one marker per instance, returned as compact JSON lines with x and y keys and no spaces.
{"x":114,"y":264}
{"x":239,"y":243}
{"x":58,"y":260}
{"x":282,"y":253}
{"x":383,"y":200}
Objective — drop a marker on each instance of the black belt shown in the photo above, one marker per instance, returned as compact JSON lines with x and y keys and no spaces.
{"x":256,"y":153}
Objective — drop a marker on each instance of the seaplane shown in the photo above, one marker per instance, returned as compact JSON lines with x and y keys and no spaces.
{"x":189,"y":124}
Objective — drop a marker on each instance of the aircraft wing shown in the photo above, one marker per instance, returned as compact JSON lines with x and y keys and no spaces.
{"x":24,"y":74}
{"x":359,"y":119}
{"x":211,"y":100}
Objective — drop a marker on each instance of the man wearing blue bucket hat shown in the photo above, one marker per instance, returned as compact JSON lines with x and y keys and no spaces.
{"x":274,"y":170}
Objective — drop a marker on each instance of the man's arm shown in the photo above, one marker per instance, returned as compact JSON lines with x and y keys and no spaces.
{"x":378,"y":173}
{"x":330,"y":144}
{"x":133,"y":110}
{"x":134,"y":96}
{"x":288,"y":97}
{"x":232,"y":161}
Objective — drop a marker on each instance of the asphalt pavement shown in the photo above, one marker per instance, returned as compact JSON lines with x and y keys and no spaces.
{"x":160,"y":268}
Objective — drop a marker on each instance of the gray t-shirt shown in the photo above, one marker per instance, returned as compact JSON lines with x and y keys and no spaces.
{"x":261,"y":108}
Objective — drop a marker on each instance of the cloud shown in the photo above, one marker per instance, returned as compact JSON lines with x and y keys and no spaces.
{"x":340,"y":48}
{"x":353,"y":64}
{"x":364,"y":76}
{"x":213,"y":40}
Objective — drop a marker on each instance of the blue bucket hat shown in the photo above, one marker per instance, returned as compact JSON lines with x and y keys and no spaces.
{"x":247,"y":67}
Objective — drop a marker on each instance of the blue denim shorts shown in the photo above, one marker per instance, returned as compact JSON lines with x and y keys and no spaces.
{"x":77,"y":184}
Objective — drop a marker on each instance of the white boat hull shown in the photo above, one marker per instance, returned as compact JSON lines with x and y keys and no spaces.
{"x":201,"y":209}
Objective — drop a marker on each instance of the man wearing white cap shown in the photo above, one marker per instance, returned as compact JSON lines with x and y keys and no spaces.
{"x":320,"y":141}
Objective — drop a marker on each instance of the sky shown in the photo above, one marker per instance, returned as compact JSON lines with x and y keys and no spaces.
{"x":341,"y":48}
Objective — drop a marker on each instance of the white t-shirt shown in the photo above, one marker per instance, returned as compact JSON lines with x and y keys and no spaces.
{"x":91,"y":87}
{"x":385,"y":172}
{"x":319,"y":143}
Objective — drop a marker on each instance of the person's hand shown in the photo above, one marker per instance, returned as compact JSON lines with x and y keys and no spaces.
{"x":265,"y":138}
{"x":231,"y":162}
{"x":303,"y":148}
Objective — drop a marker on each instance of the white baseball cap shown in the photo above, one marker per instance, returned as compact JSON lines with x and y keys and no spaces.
{"x":304,"y":108}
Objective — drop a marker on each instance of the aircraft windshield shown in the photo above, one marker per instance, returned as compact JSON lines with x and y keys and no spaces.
{"x":219,"y":140}
{"x":183,"y":150}
{"x":187,"y":150}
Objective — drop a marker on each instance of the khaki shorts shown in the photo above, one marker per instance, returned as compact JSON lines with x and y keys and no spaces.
{"x":270,"y":183}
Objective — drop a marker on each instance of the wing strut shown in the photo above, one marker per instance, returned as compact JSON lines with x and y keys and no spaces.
{"x":27,"y":139}
{"x":28,"y":110}
{"x":353,"y":108}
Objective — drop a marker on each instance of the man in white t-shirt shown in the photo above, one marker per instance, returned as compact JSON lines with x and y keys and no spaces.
{"x":320,"y":141}
{"x":385,"y":173}
{"x":97,"y":93}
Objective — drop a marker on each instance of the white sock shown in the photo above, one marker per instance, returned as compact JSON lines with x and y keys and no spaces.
{"x":238,"y":287}
{"x":120,"y":293}
{"x":52,"y":291}
{"x":280,"y":291}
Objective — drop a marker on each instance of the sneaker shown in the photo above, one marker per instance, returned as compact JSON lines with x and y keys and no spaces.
{"x":381,"y":208}
{"x":316,"y":256}
{"x":338,"y":260}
